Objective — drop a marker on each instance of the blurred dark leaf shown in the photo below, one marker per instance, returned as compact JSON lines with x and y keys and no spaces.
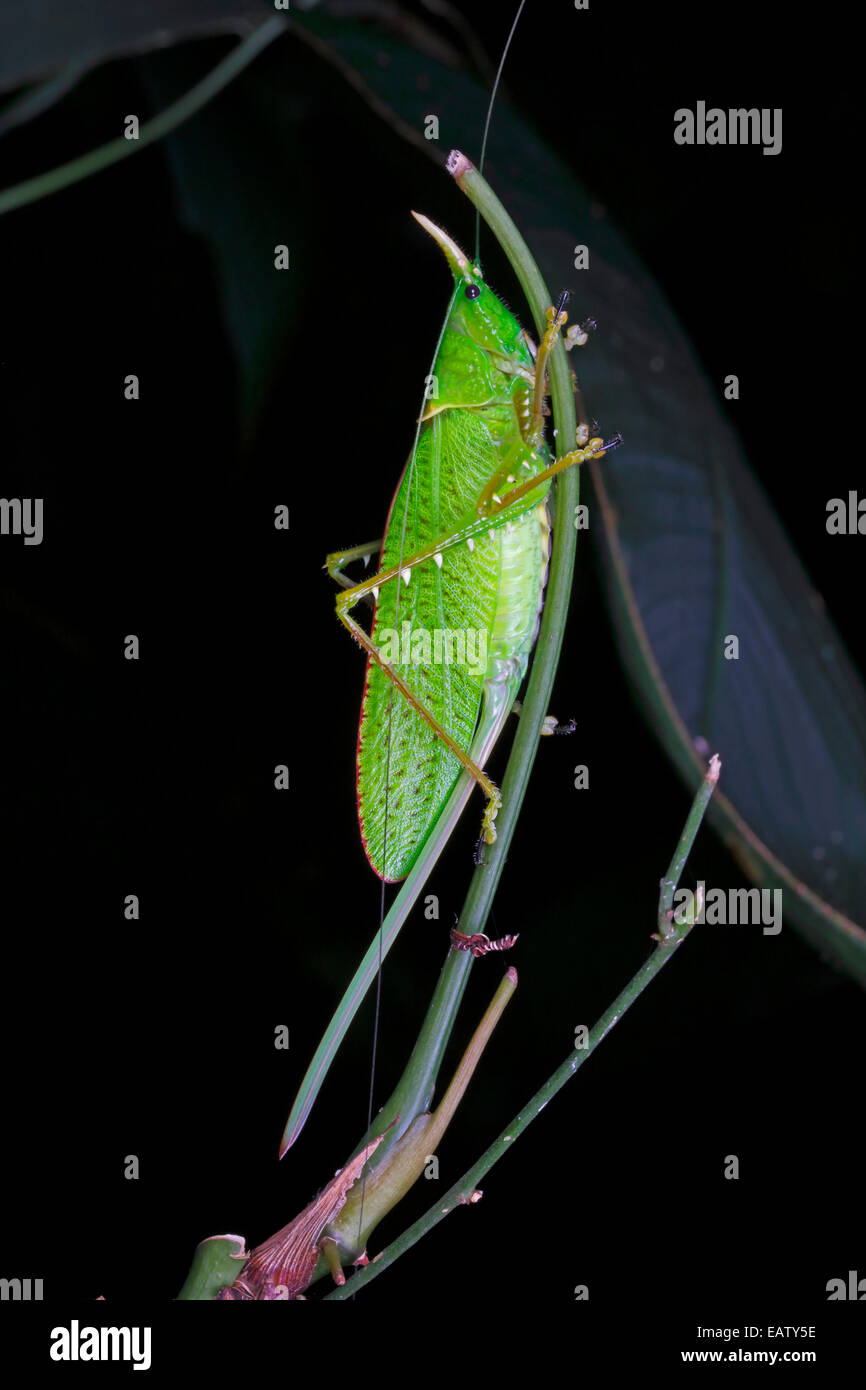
{"x":36,"y":39}
{"x":231,"y":169}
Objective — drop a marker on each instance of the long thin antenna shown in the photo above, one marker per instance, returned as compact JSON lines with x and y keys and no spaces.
{"x":487,"y":122}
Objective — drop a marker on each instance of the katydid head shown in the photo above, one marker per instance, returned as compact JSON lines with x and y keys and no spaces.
{"x":476,"y":311}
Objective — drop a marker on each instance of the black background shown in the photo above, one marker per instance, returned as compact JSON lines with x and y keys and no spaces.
{"x":154,"y":1038}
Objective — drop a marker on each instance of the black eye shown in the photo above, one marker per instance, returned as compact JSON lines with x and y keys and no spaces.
{"x":472,"y":291}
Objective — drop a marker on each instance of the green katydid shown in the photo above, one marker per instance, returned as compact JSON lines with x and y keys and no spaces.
{"x":462,"y":572}
{"x":465,"y":549}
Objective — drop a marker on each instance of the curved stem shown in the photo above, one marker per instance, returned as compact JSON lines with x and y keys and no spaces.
{"x":535,"y":705}
{"x":671,"y":935}
{"x":461,"y":1192}
{"x":536,"y":702}
{"x":198,"y":96}
{"x":36,"y":100}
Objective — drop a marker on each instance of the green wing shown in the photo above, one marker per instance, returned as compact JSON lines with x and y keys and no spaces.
{"x":405,"y":771}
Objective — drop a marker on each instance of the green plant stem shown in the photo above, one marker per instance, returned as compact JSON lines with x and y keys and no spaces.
{"x":462,"y":1192}
{"x":683,"y":849}
{"x":373,"y":958}
{"x":198,"y":96}
{"x":535,"y":705}
{"x":423,"y":1064}
{"x":365,"y":1208}
{"x":43,"y":96}
{"x":217,"y":1262}
{"x":567,"y":492}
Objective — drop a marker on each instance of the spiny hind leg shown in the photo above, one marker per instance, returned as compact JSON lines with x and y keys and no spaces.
{"x":345,"y":601}
{"x":485,"y":517}
{"x":483,"y":520}
{"x":595,"y":449}
{"x":336,"y":563}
